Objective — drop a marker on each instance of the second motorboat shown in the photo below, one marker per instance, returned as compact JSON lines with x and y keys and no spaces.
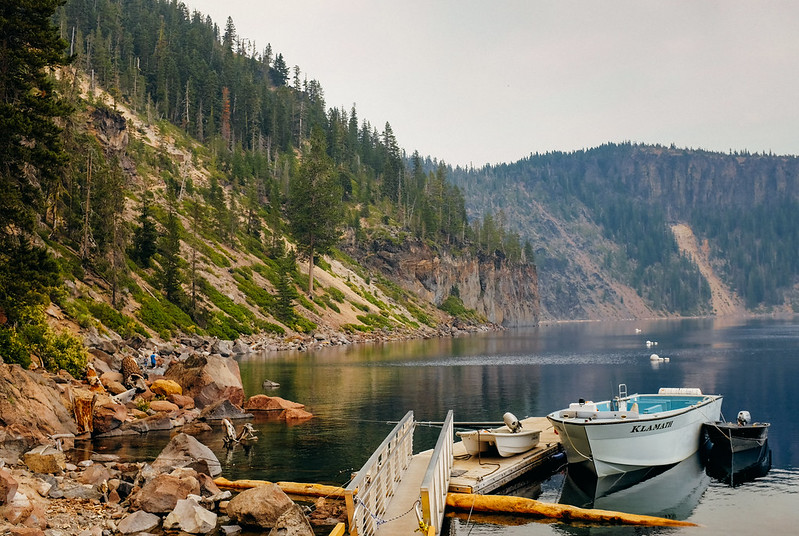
{"x":508,"y":440}
{"x":637,"y":431}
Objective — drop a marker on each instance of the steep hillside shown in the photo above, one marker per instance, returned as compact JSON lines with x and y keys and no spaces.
{"x":601,"y":223}
{"x":235,"y":287}
{"x":164,"y":181}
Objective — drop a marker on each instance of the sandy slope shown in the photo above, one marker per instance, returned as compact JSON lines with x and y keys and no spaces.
{"x":725,"y":302}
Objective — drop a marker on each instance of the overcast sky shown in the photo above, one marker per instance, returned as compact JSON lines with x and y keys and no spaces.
{"x":475,"y":82}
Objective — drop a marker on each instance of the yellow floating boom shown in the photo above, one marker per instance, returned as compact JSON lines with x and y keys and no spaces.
{"x":290,"y":488}
{"x":520,"y":505}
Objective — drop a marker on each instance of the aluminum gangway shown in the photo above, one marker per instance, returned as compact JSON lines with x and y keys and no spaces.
{"x":396,"y":492}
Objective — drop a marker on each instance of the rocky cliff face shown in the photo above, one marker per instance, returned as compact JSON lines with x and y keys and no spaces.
{"x":505,"y":294}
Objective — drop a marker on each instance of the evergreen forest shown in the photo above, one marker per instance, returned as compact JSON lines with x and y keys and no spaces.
{"x":145,"y":147}
{"x":744,"y":206}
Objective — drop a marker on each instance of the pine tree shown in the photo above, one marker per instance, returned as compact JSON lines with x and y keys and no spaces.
{"x":315,"y":210}
{"x":171,"y":277}
{"x":145,"y":235}
{"x":31,"y":155}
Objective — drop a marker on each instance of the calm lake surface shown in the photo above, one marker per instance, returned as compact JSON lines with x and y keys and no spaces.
{"x":353,"y":392}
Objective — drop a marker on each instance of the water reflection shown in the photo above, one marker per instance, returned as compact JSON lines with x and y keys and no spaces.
{"x":670,"y":492}
{"x":737,"y":468}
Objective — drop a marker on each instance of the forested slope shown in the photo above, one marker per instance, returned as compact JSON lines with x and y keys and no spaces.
{"x":161,"y":177}
{"x":601,"y":221}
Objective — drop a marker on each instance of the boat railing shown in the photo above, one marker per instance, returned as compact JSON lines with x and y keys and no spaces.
{"x":368,"y":494}
{"x":436,"y":480}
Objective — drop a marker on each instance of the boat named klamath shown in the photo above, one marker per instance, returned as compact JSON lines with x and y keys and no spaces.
{"x":637,"y":431}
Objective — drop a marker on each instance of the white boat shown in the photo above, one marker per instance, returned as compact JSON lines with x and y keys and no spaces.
{"x":637,"y":431}
{"x":507,"y":440}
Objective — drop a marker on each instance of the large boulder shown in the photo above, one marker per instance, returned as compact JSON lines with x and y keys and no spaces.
{"x":190,"y":517}
{"x":208,"y":379}
{"x":261,"y":506}
{"x":162,"y":493}
{"x":45,"y":459}
{"x":31,"y":407}
{"x":108,"y":416}
{"x":165,"y":388}
{"x":184,"y":450}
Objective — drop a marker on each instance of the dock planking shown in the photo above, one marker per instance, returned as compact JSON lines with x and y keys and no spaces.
{"x":484,"y":474}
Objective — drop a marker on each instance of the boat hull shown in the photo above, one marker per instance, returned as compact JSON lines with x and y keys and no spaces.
{"x":738,"y":437}
{"x":618,"y":444}
{"x":500,"y":441}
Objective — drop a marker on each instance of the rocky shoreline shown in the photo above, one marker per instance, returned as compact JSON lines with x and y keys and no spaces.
{"x":188,"y":385}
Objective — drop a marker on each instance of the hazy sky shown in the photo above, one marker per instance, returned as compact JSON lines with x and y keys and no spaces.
{"x":493,"y":81}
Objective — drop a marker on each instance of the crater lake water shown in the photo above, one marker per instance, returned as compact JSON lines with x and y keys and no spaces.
{"x":354,"y":391}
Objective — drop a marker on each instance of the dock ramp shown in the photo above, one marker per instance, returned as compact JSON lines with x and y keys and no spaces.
{"x":396,"y":492}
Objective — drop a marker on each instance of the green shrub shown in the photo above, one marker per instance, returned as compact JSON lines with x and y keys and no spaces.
{"x":335,"y":294}
{"x":376,"y":321}
{"x":12,"y":348}
{"x":63,"y":351}
{"x":352,"y":328}
{"x":269,"y":327}
{"x":164,"y":317}
{"x":303,"y":325}
{"x":113,"y":319}
{"x":453,"y":305}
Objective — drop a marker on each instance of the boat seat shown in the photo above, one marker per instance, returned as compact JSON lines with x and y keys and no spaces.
{"x":656,"y":408}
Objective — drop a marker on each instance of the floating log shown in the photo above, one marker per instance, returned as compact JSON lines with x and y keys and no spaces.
{"x":521,"y":505}
{"x":290,"y":488}
{"x":339,"y":530}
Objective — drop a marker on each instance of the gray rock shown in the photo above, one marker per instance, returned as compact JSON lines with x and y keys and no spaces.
{"x":190,"y":517}
{"x":223,"y":348}
{"x":223,"y":409}
{"x":230,"y":530}
{"x":241,"y":347}
{"x":73,"y":490}
{"x":139,"y":521}
{"x":184,"y":450}
{"x":269,"y":384}
{"x":292,"y":523}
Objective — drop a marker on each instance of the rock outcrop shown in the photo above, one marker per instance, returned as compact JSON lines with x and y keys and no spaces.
{"x":502,"y":292}
{"x":32,"y":406}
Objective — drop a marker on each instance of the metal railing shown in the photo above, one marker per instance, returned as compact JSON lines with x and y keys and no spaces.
{"x":436,"y":480}
{"x":368,"y":494}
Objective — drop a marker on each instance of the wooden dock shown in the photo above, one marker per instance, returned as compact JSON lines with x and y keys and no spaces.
{"x":484,"y":474}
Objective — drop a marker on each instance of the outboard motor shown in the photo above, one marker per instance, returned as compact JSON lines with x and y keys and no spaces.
{"x":512,"y":422}
{"x":744,"y":418}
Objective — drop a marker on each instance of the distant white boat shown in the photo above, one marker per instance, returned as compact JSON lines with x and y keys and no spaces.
{"x":507,"y":440}
{"x":637,"y":431}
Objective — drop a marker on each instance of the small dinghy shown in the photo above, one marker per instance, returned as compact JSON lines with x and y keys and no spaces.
{"x":507,"y":440}
{"x":740,"y":435}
